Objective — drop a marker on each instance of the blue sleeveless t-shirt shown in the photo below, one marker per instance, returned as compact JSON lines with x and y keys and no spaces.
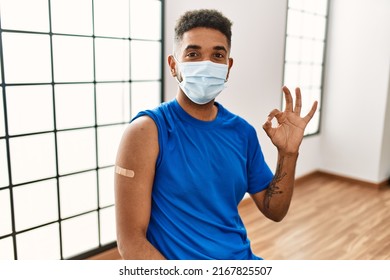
{"x":203,"y":170}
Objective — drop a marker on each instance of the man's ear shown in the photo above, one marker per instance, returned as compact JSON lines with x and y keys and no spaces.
{"x":172,"y":65}
{"x":230,"y":64}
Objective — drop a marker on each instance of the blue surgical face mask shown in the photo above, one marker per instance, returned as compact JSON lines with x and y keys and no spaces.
{"x":202,"y":81}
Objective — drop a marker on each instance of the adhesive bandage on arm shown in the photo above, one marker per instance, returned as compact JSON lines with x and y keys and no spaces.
{"x":124,"y":172}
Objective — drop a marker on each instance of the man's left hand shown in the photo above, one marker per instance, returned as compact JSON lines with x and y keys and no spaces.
{"x":288,"y":134}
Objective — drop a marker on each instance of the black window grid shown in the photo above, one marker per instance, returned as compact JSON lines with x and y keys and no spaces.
{"x":11,"y":186}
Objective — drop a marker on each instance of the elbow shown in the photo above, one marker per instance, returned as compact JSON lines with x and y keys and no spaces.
{"x":126,"y":248}
{"x":276,"y":213}
{"x":132,"y":246}
{"x":122,"y":249}
{"x":276,"y":217}
{"x":128,"y":251}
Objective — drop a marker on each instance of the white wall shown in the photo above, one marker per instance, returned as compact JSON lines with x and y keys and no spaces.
{"x":355,"y":131}
{"x":354,"y":139}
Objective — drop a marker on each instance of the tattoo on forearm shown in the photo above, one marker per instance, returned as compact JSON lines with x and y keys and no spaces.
{"x":273,"y":187}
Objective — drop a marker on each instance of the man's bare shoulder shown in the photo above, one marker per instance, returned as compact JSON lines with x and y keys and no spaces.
{"x":140,"y":137}
{"x":141,"y":127}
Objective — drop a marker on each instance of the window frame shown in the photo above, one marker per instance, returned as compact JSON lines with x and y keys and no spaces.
{"x":7,"y":138}
{"x":323,"y":64}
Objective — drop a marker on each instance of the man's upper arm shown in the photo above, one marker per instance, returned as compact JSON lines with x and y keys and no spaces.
{"x":138,"y":152}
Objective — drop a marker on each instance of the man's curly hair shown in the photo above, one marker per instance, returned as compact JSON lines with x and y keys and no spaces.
{"x":203,"y":18}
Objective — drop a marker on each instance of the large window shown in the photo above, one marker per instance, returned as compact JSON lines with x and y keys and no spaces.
{"x":304,"y":55}
{"x":73,"y":73}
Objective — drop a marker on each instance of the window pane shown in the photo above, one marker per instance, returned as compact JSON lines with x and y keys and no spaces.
{"x":316,"y":76}
{"x":320,"y":24}
{"x":293,"y":49}
{"x":145,"y":27}
{"x":145,"y":60}
{"x":35,"y":204}
{"x":27,"y":58}
{"x":106,"y":186}
{"x":5,"y":213}
{"x":309,"y":25}
{"x":318,"y":52}
{"x":76,"y":150}
{"x":74,"y":105}
{"x":80,"y":234}
{"x":112,"y":60}
{"x":296,"y":4}
{"x":317,"y":7}
{"x":294,"y":23}
{"x":3,"y":165}
{"x":307,"y":50}
{"x":107,"y":225}
{"x":39,"y":244}
{"x":313,"y":26}
{"x":78,"y":193}
{"x":32,"y":157}
{"x":291,"y":75}
{"x":80,"y":12}
{"x":25,"y":118}
{"x":6,"y":249}
{"x":145,"y":96}
{"x":112,"y":103}
{"x":111,"y":18}
{"x":108,"y":142}
{"x":304,"y":75}
{"x":73,"y":59}
{"x":16,"y":14}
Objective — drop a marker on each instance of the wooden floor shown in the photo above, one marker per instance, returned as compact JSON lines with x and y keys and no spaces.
{"x":329,"y":219}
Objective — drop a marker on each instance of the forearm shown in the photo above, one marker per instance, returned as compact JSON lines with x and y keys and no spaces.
{"x":278,"y":195}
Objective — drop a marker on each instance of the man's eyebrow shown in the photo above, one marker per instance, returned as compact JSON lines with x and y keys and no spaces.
{"x":220,"y":48}
{"x":197,"y":47}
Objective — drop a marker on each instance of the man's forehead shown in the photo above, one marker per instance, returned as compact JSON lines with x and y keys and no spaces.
{"x":201,"y":37}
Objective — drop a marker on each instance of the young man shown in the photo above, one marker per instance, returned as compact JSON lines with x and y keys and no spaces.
{"x":183,"y":167}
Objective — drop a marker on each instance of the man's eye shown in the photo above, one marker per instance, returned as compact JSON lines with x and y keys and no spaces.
{"x":219,"y":55}
{"x":192,"y":54}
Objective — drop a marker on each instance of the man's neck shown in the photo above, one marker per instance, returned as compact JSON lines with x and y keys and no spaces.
{"x":206,"y":112}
